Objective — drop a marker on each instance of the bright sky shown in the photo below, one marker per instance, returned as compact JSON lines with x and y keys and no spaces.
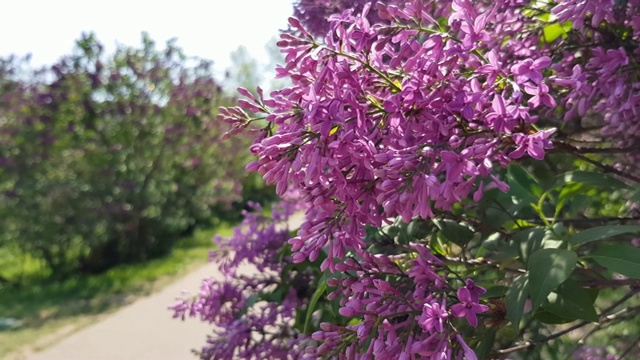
{"x":208,"y":29}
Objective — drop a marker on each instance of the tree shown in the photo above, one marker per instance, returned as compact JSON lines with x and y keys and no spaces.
{"x":110,"y":159}
{"x":468,"y":170}
{"x":248,"y":73}
{"x":245,"y":70}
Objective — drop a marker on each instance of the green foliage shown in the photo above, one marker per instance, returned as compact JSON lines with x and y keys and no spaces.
{"x":602,"y":233}
{"x":570,"y":301}
{"x":621,"y":258}
{"x":459,"y":234}
{"x":516,"y":298}
{"x":586,"y":178}
{"x":548,"y":268}
{"x":562,"y":232}
{"x":109,"y":159}
{"x":320,"y":291}
{"x":556,"y":30}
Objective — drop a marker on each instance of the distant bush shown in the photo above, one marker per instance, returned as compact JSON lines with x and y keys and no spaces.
{"x":106,"y":160}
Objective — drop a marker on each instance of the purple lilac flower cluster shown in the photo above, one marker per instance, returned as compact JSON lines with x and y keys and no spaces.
{"x":598,"y":64}
{"x":594,"y":63}
{"x":399,"y":118}
{"x":315,"y":14}
{"x":249,"y":323}
{"x":402,"y":304}
{"x":390,"y":120}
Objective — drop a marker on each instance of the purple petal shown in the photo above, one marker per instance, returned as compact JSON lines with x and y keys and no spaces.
{"x":458,"y":310}
{"x":464,"y":295}
{"x":472,"y":318}
{"x":542,"y":62}
{"x":467,"y":352}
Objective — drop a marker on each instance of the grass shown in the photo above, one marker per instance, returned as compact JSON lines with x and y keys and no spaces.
{"x":47,"y":308}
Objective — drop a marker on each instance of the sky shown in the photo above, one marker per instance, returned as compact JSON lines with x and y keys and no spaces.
{"x":212,"y":29}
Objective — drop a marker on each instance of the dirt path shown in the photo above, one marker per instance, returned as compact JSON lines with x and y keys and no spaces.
{"x":143,"y":330}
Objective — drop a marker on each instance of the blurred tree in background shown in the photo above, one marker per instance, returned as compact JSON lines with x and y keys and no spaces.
{"x":244,"y":72}
{"x":109,"y":159}
{"x":248,"y":73}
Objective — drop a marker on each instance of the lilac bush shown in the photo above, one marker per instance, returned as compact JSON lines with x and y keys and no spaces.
{"x":116,"y":156}
{"x":464,"y":166}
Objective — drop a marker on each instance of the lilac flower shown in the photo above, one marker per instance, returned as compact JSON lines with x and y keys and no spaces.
{"x":457,"y":166}
{"x":394,"y":115}
{"x":540,"y":96}
{"x":468,"y":307}
{"x":433,"y":317}
{"x":315,"y":14}
{"x":493,"y":69}
{"x":466,"y":350}
{"x":474,"y":290}
{"x":530,"y":69}
{"x":534,"y":145}
{"x":578,"y":10}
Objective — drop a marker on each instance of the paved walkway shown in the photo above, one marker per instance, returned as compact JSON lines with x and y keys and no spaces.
{"x":144,"y":330}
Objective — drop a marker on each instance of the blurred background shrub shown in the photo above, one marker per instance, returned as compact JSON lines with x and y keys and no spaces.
{"x":110,"y":159}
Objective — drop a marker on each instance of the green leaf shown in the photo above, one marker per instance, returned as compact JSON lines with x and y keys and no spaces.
{"x":506,"y":333}
{"x":574,"y":196}
{"x":529,"y":240}
{"x":277,"y":295}
{"x":516,"y":297}
{"x":251,"y":300}
{"x":298,"y":322}
{"x":492,"y":242}
{"x":419,"y":229}
{"x":523,"y":189}
{"x":322,"y":287}
{"x":589,"y":178}
{"x":403,"y":234}
{"x":579,"y":202}
{"x":602,"y":232}
{"x":548,"y":317}
{"x":548,"y":268}
{"x":552,"y":32}
{"x":544,"y":16}
{"x":621,"y":258}
{"x":457,"y":233}
{"x":522,"y":177}
{"x":571,"y":301}
{"x":494,"y":292}
{"x":436,"y":248}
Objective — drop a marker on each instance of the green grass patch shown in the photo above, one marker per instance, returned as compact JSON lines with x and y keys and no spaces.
{"x":45,"y":307}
